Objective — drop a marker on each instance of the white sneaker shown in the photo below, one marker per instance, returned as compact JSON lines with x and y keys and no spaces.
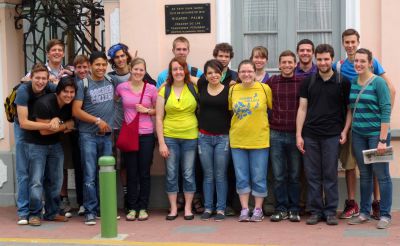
{"x":22,"y":221}
{"x":68,"y":214}
{"x":81,"y":210}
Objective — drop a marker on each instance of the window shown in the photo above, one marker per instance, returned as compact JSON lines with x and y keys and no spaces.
{"x":280,"y":24}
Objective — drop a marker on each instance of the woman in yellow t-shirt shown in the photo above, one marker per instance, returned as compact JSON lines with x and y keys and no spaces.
{"x":249,"y":138}
{"x":177,"y":132}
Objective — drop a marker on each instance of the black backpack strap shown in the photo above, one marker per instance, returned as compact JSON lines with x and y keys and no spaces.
{"x":193,"y":71}
{"x":167,"y":92}
{"x":312,"y":82}
{"x":193,"y":91}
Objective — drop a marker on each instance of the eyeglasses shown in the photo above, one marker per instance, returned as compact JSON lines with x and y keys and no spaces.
{"x":175,"y":69}
{"x":246,"y":71}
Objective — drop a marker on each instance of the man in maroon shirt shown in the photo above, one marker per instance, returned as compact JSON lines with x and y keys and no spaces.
{"x":285,"y":157}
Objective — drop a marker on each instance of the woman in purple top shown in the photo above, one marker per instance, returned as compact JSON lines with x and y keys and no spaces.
{"x":259,"y":56}
{"x":138,"y":162}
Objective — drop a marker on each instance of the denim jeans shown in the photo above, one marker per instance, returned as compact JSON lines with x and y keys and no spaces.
{"x":92,"y":148}
{"x":251,"y":167}
{"x":320,"y":167}
{"x":214,"y":156}
{"x":286,"y":166}
{"x":138,"y":165}
{"x":22,"y":172}
{"x":45,"y":173}
{"x":380,"y":170}
{"x":181,"y":152}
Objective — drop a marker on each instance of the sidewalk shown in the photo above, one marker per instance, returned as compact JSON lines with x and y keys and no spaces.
{"x":157,"y":231}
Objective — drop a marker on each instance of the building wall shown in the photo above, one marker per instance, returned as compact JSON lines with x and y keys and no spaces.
{"x":150,"y":40}
{"x":11,"y":70}
{"x":378,"y":17}
{"x":11,"y":61}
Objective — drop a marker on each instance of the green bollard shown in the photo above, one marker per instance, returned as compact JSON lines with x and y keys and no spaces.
{"x":108,"y":197}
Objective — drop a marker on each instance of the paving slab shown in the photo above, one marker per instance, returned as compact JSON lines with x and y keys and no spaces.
{"x":157,"y":231}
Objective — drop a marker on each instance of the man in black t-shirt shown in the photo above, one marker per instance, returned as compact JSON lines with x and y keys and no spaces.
{"x":45,"y":154}
{"x":323,"y":120}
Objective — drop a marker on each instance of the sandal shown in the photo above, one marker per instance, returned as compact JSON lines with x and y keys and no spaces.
{"x":131,"y":216}
{"x":197,"y":205}
{"x":143,"y":215}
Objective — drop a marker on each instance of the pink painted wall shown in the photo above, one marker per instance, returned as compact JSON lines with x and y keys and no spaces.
{"x":13,"y":68}
{"x":379,"y":20}
{"x":143,"y":29}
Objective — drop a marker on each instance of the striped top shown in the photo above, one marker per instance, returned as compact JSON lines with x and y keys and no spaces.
{"x":373,"y":107}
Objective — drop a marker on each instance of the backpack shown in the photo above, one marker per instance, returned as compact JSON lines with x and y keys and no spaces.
{"x":192,"y":90}
{"x":193,"y":71}
{"x":9,"y":106}
{"x":86,"y":83}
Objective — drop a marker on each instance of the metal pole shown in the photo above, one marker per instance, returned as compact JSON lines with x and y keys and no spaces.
{"x":108,"y":197}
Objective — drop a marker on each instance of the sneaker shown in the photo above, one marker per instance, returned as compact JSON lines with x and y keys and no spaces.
{"x":58,"y":218}
{"x":350,"y":210}
{"x":358,"y":220}
{"x":81,"y":210}
{"x":98,"y":216}
{"x":68,"y":214}
{"x":331,"y":220}
{"x":220,"y":216}
{"x":143,"y":215}
{"x":22,"y":221}
{"x":90,"y":219}
{"x":244,"y":215}
{"x":384,"y":223}
{"x":131,"y":216}
{"x":279,"y":216}
{"x":376,"y":213}
{"x":229,"y":211}
{"x":35,"y":221}
{"x":65,"y":205}
{"x":314,"y":219}
{"x":294,"y":216}
{"x":257,"y":216}
{"x":206,"y":215}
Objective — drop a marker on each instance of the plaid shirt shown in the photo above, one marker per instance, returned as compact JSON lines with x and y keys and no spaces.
{"x":285,"y":102}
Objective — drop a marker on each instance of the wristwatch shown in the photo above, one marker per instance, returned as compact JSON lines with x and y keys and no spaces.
{"x":382,"y":140}
{"x":97,"y":121}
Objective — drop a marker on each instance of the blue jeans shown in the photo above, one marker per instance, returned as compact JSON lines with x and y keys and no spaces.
{"x":320,"y":167}
{"x":214,"y":156}
{"x":45,"y":173}
{"x":251,"y":167}
{"x":22,"y":172}
{"x":380,"y":170}
{"x":286,"y":166}
{"x":92,"y":148}
{"x":181,"y":152}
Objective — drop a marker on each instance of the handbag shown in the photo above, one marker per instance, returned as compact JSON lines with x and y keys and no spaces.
{"x":128,"y":139}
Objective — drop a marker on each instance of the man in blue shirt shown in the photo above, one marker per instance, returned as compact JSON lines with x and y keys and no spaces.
{"x":180,"y":48}
{"x":350,"y":42}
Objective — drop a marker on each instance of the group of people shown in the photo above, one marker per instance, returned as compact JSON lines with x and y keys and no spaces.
{"x":301,"y":120}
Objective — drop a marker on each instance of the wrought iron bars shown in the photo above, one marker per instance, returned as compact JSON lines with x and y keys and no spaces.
{"x":77,"y":22}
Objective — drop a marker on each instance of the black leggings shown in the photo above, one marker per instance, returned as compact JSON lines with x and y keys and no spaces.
{"x":138,"y":165}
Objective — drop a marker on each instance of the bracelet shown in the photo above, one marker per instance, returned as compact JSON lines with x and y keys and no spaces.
{"x":148,"y":111}
{"x":97,"y":121}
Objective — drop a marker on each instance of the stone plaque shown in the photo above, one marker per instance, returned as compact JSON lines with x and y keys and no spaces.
{"x":187,"y":18}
